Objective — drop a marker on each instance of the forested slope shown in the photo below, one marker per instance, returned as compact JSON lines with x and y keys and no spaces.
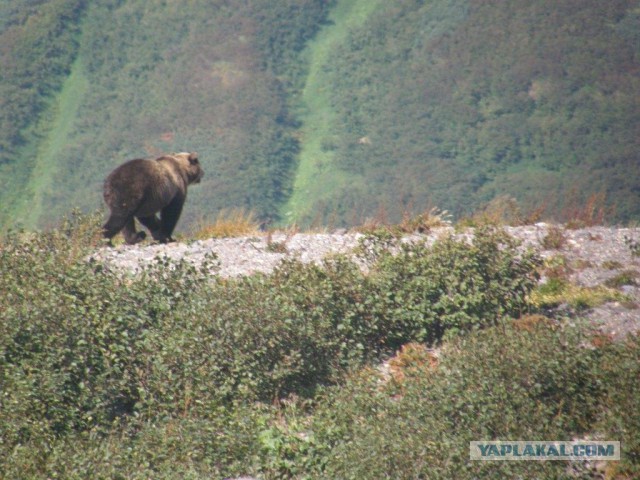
{"x":442,"y":102}
{"x":452,"y":103}
{"x":213,"y":78}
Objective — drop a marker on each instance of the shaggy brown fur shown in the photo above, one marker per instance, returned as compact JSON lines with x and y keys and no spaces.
{"x":141,"y":188}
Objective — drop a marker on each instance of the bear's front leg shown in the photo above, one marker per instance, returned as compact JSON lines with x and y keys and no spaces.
{"x":170,"y":215}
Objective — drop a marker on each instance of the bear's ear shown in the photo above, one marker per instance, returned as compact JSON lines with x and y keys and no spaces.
{"x":193,"y":158}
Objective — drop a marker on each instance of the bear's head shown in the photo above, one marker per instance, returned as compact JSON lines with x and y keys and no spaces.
{"x":191,"y":165}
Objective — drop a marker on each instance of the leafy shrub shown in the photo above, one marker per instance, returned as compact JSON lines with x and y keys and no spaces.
{"x":219,"y":445}
{"x":555,"y":239}
{"x":453,"y":285}
{"x":620,"y":418}
{"x":75,"y":341}
{"x":121,"y":369}
{"x":503,"y":383}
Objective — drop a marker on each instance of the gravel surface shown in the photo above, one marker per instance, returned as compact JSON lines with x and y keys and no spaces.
{"x":594,"y":255}
{"x":236,"y":256}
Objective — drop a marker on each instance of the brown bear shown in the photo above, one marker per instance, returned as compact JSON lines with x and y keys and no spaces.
{"x":140,"y":188}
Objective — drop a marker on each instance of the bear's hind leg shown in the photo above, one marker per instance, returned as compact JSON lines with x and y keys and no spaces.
{"x":130,"y":235}
{"x":153,"y":224}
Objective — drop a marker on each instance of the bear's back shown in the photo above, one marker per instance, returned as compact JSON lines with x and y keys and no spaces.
{"x":128,"y":183}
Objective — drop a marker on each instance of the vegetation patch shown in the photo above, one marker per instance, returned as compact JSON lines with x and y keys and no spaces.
{"x":593,"y":211}
{"x":557,"y":291}
{"x":228,"y":223}
{"x":503,"y":382}
{"x":557,"y":267}
{"x":176,"y":373}
{"x":500,"y":211}
{"x":555,"y":239}
{"x":420,"y":223}
{"x":611,"y":265}
{"x":125,"y":366}
{"x":626,"y":277}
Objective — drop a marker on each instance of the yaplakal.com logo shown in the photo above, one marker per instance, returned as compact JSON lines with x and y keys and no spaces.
{"x":544,"y":450}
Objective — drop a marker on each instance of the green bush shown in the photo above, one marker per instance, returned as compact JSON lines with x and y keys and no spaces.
{"x":620,"y":417}
{"x":452,"y":286}
{"x":170,"y":372}
{"x":504,"y":383}
{"x":75,"y":339}
{"x":220,"y":445}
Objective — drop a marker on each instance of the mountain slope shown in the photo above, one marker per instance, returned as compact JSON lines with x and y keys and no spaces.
{"x":452,"y":103}
{"x":316,"y":175}
{"x":319,"y":110}
{"x":212,"y":78}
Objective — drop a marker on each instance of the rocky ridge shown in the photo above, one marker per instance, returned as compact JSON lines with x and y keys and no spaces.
{"x":593,"y":255}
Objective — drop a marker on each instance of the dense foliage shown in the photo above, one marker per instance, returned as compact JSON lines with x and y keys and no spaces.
{"x":454,"y":102}
{"x":175,"y":372}
{"x":444,"y":102}
{"x":511,"y":382}
{"x":146,"y":77}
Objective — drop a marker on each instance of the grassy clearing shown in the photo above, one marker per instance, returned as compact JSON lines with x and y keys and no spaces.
{"x":317,"y":177}
{"x":557,"y":291}
{"x":59,"y":124}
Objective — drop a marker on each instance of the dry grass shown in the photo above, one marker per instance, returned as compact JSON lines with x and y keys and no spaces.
{"x":412,"y":358}
{"x":229,"y":223}
{"x":503,"y":210}
{"x":420,"y":223}
{"x":555,"y":238}
{"x":281,"y":246}
{"x":531,"y":322}
{"x":586,"y":214}
{"x":424,"y":222}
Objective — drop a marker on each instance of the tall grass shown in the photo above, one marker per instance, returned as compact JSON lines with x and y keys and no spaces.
{"x":229,"y":223}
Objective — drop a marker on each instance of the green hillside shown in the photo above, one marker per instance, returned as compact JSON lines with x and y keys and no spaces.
{"x":317,"y":176}
{"x":452,"y":103}
{"x":322,"y":111}
{"x":213,"y":78}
